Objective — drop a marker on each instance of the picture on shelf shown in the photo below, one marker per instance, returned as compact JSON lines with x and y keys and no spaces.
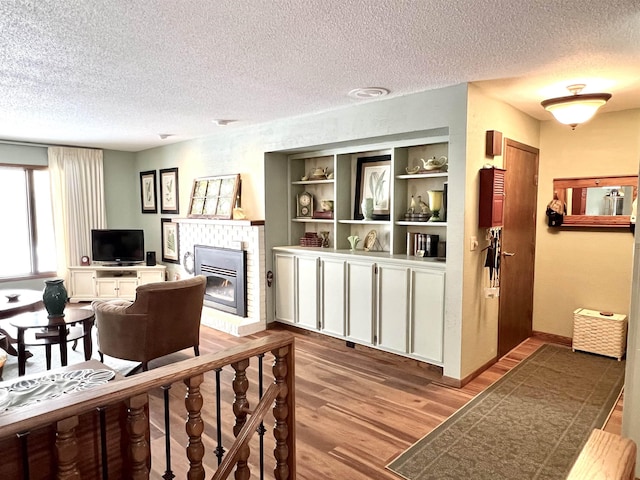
{"x":215,"y":197}
{"x":373,"y":180}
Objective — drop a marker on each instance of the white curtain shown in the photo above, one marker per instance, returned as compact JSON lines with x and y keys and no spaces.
{"x":77,"y":190}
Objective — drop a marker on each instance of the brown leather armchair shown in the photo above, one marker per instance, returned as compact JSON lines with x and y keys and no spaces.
{"x":164,"y":318}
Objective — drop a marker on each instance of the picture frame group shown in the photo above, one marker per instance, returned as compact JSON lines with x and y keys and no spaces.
{"x":169,"y":191}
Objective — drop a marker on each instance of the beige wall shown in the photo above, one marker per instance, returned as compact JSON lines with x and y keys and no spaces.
{"x":480,"y":314}
{"x":590,"y":268}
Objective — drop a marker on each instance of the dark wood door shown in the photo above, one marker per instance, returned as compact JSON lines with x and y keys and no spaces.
{"x":515,"y":319}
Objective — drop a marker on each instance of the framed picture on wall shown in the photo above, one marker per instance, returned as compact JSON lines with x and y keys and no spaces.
{"x":170,"y":245}
{"x":169,"y":194}
{"x":148,"y":197}
{"x":373,"y":180}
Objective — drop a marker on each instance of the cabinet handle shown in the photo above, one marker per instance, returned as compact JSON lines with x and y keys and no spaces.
{"x":507,"y":254}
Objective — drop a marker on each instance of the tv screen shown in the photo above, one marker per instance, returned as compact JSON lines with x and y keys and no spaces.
{"x":119,"y":246}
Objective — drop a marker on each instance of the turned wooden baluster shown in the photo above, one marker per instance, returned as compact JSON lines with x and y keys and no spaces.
{"x":138,"y":426}
{"x":240,"y":409}
{"x":67,"y":449}
{"x":195,"y":427}
{"x":284,"y":413}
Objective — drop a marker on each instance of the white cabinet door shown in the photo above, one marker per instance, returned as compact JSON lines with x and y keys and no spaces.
{"x":284,"y":266}
{"x":307,"y":291}
{"x":150,"y":276}
{"x":127,"y":288}
{"x":83,"y":284}
{"x":107,"y":287}
{"x":360,"y":301}
{"x":393,"y":307}
{"x":427,"y":322}
{"x":333,"y":296}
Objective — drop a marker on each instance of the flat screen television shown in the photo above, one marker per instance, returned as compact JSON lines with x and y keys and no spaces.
{"x":117,"y":246}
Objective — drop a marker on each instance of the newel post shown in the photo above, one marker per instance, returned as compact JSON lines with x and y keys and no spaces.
{"x":284,"y":413}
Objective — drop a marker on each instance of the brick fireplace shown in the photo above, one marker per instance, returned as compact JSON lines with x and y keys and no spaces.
{"x":234,"y":235}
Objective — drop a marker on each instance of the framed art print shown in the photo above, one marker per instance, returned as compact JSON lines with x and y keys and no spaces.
{"x":148,"y":197}
{"x":373,"y":180}
{"x":169,"y":193}
{"x":170,"y":246}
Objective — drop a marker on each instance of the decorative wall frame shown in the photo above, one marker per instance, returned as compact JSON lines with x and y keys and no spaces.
{"x":214,"y":197}
{"x":170,"y":241}
{"x":169,"y":192}
{"x":373,"y":179}
{"x":148,"y":195}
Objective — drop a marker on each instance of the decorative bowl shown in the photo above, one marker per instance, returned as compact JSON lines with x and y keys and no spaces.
{"x":12,"y":297}
{"x":412,"y":170}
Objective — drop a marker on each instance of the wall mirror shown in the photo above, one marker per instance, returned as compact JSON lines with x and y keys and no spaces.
{"x":597,"y":201}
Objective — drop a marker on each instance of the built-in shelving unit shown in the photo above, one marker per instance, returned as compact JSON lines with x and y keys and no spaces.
{"x":340,"y":189}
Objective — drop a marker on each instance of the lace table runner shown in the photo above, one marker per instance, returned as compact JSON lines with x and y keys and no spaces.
{"x":29,"y":392}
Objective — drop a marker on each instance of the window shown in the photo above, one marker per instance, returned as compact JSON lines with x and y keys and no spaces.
{"x":27,"y":241}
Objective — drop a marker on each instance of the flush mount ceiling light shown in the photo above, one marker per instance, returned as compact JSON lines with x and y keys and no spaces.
{"x":368,"y":92}
{"x":164,"y":136}
{"x":575,"y":109}
{"x":222,"y":123}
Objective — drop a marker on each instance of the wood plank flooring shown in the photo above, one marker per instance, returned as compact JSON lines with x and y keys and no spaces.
{"x":356,"y":409}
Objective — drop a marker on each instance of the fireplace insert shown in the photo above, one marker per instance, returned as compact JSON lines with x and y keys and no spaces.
{"x":226,"y":272}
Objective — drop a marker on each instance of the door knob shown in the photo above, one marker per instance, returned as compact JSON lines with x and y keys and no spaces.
{"x":507,"y":254}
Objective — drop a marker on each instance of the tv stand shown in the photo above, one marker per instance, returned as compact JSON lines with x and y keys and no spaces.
{"x":122,"y":264}
{"x":103,"y":282}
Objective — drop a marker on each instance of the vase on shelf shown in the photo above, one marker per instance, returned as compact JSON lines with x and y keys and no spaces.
{"x":54,"y":297}
{"x":367,"y":208}
{"x":435,"y":203}
{"x":353,"y":241}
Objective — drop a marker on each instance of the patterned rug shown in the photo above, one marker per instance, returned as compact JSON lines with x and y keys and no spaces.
{"x":530,"y":424}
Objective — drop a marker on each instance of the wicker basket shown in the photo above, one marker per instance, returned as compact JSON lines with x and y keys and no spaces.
{"x":597,"y":333}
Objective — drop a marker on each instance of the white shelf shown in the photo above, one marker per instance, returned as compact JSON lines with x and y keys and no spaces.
{"x":422,"y":224}
{"x":422,"y":175}
{"x":366,"y":222}
{"x":312,"y":220}
{"x":312,"y":182}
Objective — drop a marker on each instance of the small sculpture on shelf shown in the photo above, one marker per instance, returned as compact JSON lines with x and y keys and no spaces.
{"x":353,"y":241}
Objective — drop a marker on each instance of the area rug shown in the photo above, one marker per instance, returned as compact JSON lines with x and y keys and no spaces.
{"x":530,"y":424}
{"x":37,"y":363}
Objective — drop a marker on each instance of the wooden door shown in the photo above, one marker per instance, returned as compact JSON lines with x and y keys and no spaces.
{"x":515,"y":320}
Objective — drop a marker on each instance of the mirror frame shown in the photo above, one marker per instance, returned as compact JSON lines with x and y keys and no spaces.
{"x":560,"y":186}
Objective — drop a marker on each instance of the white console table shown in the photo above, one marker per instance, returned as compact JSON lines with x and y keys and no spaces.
{"x":104,"y":282}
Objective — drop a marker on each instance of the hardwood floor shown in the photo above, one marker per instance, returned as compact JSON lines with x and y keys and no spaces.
{"x":356,"y":409}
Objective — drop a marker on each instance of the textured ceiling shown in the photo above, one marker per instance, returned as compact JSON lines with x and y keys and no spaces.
{"x":115,"y":74}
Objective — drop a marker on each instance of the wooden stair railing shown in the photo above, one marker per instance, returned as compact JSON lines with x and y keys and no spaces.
{"x":65,"y":413}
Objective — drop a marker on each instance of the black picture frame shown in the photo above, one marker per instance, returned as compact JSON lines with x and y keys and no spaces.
{"x":170,"y":241}
{"x":169,"y":191}
{"x":148,"y":193}
{"x":366,"y":169}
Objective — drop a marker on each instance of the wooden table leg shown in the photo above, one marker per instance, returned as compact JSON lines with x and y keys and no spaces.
{"x":22,"y":360}
{"x":47,"y":349}
{"x":88,"y":344}
{"x":62,"y":329}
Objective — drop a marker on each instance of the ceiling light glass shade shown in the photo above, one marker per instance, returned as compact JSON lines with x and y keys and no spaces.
{"x":575,"y":109}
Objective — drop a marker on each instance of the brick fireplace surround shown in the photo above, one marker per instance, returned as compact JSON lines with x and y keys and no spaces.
{"x":235,"y":234}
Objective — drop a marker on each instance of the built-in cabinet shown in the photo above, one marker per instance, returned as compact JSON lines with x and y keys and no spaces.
{"x":102,"y":282}
{"x":396,"y":305}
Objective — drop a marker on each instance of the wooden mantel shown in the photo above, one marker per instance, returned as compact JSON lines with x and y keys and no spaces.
{"x":211,"y":221}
